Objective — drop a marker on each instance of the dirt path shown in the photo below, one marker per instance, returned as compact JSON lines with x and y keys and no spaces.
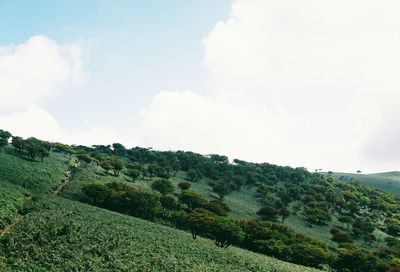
{"x":8,"y":228}
{"x":68,"y":175}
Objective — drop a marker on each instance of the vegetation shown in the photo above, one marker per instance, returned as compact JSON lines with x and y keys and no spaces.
{"x":60,"y":235}
{"x":287,"y":213}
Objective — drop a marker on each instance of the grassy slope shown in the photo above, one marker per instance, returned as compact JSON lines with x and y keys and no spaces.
{"x":387,"y":182}
{"x":71,"y":236}
{"x":243,"y":203}
{"x":38,"y":177}
{"x":11,"y":199}
{"x":63,"y":235}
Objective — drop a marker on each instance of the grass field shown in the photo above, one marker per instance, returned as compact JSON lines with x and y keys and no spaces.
{"x":387,"y":182}
{"x":11,"y":200}
{"x":38,"y":177}
{"x":69,"y":236}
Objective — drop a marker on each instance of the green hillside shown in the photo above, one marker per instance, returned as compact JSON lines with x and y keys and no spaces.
{"x":78,"y":208}
{"x":387,"y":182}
{"x":60,"y":235}
{"x":42,"y":232}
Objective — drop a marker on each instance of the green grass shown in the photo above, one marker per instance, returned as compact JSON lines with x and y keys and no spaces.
{"x":242,"y":202}
{"x":38,"y":177}
{"x":11,"y":200}
{"x":87,"y":174}
{"x":69,"y":236}
{"x":388,"y":182}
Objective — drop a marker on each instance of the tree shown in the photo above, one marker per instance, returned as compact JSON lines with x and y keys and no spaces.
{"x":184,"y":185}
{"x":84,"y":158}
{"x":193,"y":175}
{"x":18,"y":143}
{"x":341,"y":237}
{"x":5,"y":134}
{"x":268,"y":213}
{"x":199,"y":221}
{"x":119,"y":149}
{"x":191,"y":199}
{"x":106,"y":166}
{"x":32,"y":147}
{"x":168,"y":203}
{"x":347,"y":220}
{"x":358,"y":171}
{"x":357,"y":260}
{"x":133,"y":174}
{"x":221,"y":189}
{"x":217,"y":207}
{"x":96,"y":192}
{"x":226,"y":232}
{"x":43,"y":153}
{"x":117,"y":165}
{"x":283,"y":213}
{"x":163,"y":186}
{"x":3,"y":143}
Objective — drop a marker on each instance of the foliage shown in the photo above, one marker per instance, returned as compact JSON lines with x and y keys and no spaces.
{"x":191,"y":199}
{"x":68,"y":236}
{"x":184,"y":185}
{"x":163,"y":186}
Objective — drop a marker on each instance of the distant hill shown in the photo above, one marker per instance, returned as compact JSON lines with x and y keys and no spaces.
{"x":387,"y":182}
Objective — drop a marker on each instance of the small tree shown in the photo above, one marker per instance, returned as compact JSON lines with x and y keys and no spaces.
{"x":84,"y":158}
{"x":168,"y":203}
{"x":191,"y":199}
{"x":133,"y":174}
{"x":193,"y":175}
{"x":199,"y":222}
{"x":217,"y":207}
{"x":43,"y":153}
{"x":163,"y":186}
{"x":18,"y":143}
{"x":226,"y":232}
{"x":3,"y":143}
{"x":221,"y":189}
{"x":283,"y":213}
{"x":184,"y":185}
{"x":117,"y":165}
{"x":106,"y":166}
{"x":268,"y":213}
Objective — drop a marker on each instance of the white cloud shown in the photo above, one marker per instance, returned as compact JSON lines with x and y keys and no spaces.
{"x":292,"y":82}
{"x":37,"y":68}
{"x":33,"y":70}
{"x":36,"y":122}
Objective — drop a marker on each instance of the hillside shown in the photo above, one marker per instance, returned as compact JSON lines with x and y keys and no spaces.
{"x":201,"y":213}
{"x":60,"y":235}
{"x":387,"y":182}
{"x":41,"y":232}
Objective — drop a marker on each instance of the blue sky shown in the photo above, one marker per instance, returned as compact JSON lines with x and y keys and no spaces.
{"x":301,"y":83}
{"x":136,"y":49}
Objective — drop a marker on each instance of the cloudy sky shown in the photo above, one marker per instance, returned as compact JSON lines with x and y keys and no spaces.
{"x":302,"y":83}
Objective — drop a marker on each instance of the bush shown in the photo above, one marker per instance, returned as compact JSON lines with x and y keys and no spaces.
{"x":217,"y":207}
{"x":184,"y":185}
{"x":163,"y":186}
{"x":340,"y":237}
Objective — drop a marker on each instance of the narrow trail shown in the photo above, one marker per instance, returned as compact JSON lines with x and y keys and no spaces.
{"x":68,"y":176}
{"x":17,"y":219}
{"x":9,"y":227}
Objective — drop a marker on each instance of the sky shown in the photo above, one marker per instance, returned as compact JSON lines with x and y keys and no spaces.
{"x":308,"y":83}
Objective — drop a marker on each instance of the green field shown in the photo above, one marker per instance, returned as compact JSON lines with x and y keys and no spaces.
{"x":38,"y":177}
{"x":62,"y":235}
{"x":387,"y":182}
{"x":41,"y":232}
